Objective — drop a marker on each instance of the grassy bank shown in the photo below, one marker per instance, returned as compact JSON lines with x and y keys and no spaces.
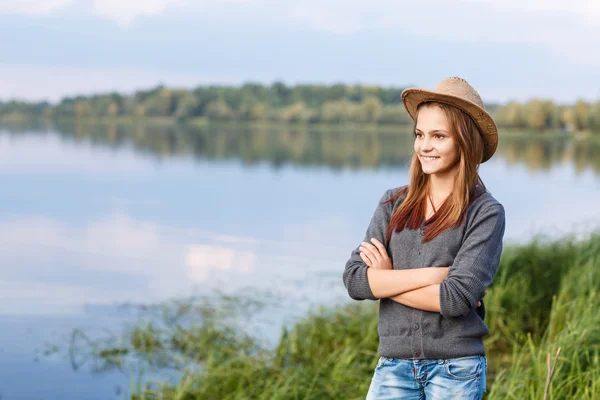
{"x":545,"y":296}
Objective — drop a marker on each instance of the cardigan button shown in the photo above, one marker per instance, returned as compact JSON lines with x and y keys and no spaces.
{"x":416,"y":327}
{"x":417,"y":354}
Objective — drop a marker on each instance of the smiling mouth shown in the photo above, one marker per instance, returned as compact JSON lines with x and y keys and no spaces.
{"x":427,"y":158}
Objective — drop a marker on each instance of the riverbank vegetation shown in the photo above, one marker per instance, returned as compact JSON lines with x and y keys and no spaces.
{"x":546,"y":296}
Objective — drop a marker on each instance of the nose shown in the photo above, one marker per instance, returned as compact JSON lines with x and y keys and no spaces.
{"x":426,"y":144}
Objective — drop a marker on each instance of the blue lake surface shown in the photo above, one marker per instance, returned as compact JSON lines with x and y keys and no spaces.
{"x":87,"y":224}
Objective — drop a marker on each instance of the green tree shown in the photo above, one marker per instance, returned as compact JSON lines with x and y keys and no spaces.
{"x":394,"y":114}
{"x":297,"y":112}
{"x":371,"y":107}
{"x":594,"y":117}
{"x":568,"y":119}
{"x":187,"y":106}
{"x":83,"y":108}
{"x":218,"y":110}
{"x":258,"y":112}
{"x":158,"y":104}
{"x":536,"y":114}
{"x":581,"y":114}
{"x":511,"y":115}
{"x":281,"y":94}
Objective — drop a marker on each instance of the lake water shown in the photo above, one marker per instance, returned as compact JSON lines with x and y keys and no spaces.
{"x":95,"y":216}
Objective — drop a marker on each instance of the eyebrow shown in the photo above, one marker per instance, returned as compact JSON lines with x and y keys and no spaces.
{"x":433,"y":131}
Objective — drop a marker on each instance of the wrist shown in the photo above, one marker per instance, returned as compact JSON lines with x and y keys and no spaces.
{"x":434,"y":277}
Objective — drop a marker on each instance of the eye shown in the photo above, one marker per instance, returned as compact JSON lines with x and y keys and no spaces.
{"x":417,"y":134}
{"x":438,"y":136}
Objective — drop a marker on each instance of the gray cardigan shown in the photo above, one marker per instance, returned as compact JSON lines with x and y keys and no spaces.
{"x":471,"y":250}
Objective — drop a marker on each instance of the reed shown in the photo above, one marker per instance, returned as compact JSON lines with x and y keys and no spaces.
{"x":545,"y":297}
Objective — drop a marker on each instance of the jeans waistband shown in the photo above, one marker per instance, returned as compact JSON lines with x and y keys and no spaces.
{"x":432,"y":360}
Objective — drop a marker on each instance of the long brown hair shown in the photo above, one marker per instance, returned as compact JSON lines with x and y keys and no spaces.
{"x":467,"y":184}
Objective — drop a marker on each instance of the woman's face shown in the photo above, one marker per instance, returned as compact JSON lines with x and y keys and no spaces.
{"x":436,"y":149}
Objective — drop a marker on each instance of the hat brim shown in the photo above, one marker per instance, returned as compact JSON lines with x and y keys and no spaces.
{"x":412,"y":97}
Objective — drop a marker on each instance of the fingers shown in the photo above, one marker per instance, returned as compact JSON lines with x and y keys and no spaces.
{"x":366,"y":259}
{"x":479,"y":302}
{"x":371,"y":251}
{"x":380,"y":247}
{"x":377,"y":252}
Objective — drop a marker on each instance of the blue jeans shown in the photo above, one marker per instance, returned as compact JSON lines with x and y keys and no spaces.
{"x":429,"y":378}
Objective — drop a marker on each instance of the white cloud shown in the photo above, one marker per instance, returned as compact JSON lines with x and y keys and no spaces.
{"x":126,"y":11}
{"x":567,"y":29}
{"x":52,"y":83}
{"x":123,"y":12}
{"x":202,"y":259}
{"x":46,"y":263}
{"x":590,"y":9}
{"x":171,"y":261}
{"x":31,"y":6}
{"x":336,"y":20}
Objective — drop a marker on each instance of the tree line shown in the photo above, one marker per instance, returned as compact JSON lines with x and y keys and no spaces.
{"x":309,"y":104}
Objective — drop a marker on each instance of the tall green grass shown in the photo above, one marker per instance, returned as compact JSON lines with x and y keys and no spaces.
{"x":545,"y":296}
{"x":568,"y":316}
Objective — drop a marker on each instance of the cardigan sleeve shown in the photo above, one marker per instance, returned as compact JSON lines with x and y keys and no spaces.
{"x":355,"y":272}
{"x":475,"y":264}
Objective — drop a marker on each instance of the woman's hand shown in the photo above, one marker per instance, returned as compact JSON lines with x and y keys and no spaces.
{"x":375,"y":255}
{"x":479,"y":302}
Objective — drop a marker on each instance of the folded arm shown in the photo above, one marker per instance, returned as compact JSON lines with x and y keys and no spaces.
{"x":426,"y":298}
{"x":355,"y":277}
{"x":388,"y":283}
{"x":363,"y":282}
{"x":471,"y":273}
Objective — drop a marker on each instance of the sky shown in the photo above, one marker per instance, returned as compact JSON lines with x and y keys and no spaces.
{"x":507,"y":49}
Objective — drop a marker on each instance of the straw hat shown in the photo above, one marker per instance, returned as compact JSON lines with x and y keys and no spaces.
{"x":457,"y":92}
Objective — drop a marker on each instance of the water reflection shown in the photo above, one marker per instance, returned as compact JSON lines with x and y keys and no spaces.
{"x":281,"y":145}
{"x":89,"y":219}
{"x":119,"y":259}
{"x":544,"y":153}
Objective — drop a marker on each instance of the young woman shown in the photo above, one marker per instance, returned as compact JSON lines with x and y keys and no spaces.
{"x":431,"y":250}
